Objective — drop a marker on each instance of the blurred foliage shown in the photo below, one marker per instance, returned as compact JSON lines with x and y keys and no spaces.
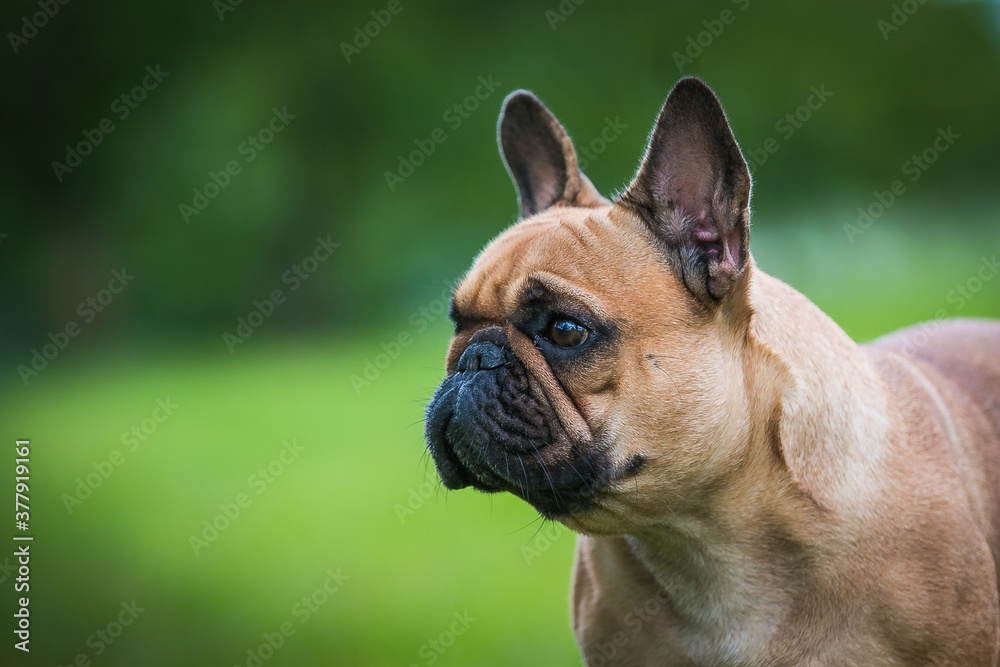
{"x":324,"y":174}
{"x":323,"y":177}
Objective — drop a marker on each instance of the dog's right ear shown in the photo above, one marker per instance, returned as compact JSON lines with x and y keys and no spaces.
{"x":540,"y":157}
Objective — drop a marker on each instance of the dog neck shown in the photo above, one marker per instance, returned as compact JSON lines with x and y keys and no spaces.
{"x":737,"y":568}
{"x":735,"y":562}
{"x":720,"y":582}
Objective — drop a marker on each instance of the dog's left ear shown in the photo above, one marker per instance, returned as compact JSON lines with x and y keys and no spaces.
{"x":540,"y":157}
{"x":693,"y":191}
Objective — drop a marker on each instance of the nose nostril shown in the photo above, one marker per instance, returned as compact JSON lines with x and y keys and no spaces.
{"x":491,"y":357}
{"x":482,"y":357}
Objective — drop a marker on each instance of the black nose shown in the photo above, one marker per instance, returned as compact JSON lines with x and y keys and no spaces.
{"x":482,"y":357}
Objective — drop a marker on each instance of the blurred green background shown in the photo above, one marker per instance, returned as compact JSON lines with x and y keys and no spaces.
{"x":149,"y":421}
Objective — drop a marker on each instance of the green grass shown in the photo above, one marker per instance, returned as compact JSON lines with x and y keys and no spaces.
{"x":336,"y":505}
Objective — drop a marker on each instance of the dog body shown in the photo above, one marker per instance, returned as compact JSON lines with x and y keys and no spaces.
{"x":751,"y":486}
{"x":876,"y":545}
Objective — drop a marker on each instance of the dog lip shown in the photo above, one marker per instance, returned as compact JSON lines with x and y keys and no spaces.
{"x":559,"y":503}
{"x":455,"y":475}
{"x":531,"y":449}
{"x":467,"y":473}
{"x":633,"y":466}
{"x":554,"y":501}
{"x":565,"y":501}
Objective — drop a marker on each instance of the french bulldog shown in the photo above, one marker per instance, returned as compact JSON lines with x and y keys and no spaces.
{"x":749,"y":485}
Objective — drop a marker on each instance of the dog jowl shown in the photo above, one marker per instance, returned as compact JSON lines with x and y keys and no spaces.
{"x":786,"y":496}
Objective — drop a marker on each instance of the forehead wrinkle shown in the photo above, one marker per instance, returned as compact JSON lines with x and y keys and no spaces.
{"x":532,"y":248}
{"x":587,"y":245}
{"x":553,"y":243}
{"x":539,"y":242}
{"x":558,"y":286}
{"x":484,"y":289}
{"x":578,"y":236}
{"x":527,"y":253}
{"x":569,"y":246}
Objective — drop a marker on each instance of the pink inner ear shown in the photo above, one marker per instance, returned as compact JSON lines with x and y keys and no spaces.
{"x":731,"y":250}
{"x":705,"y":229}
{"x":724,"y":249}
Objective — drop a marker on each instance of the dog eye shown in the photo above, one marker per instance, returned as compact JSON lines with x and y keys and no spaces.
{"x":567,"y":333}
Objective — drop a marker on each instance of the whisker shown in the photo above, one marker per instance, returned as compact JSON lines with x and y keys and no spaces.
{"x":546,"y":471}
{"x":525,"y":472}
{"x":538,"y":517}
{"x":656,"y":363}
{"x":569,"y":462}
{"x":539,"y":529}
{"x":589,"y":465}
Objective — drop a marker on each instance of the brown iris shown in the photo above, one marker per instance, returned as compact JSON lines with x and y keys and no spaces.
{"x":567,"y":333}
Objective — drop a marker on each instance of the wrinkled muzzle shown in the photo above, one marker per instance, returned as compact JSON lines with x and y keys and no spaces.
{"x":491,"y":425}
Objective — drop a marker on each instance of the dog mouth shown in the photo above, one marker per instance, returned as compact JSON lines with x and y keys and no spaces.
{"x":557,"y":477}
{"x":574,"y":488}
{"x":556,"y":498}
{"x":553,"y":501}
{"x":492,"y":425}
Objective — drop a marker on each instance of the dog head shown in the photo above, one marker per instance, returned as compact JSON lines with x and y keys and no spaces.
{"x":595,"y":368}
